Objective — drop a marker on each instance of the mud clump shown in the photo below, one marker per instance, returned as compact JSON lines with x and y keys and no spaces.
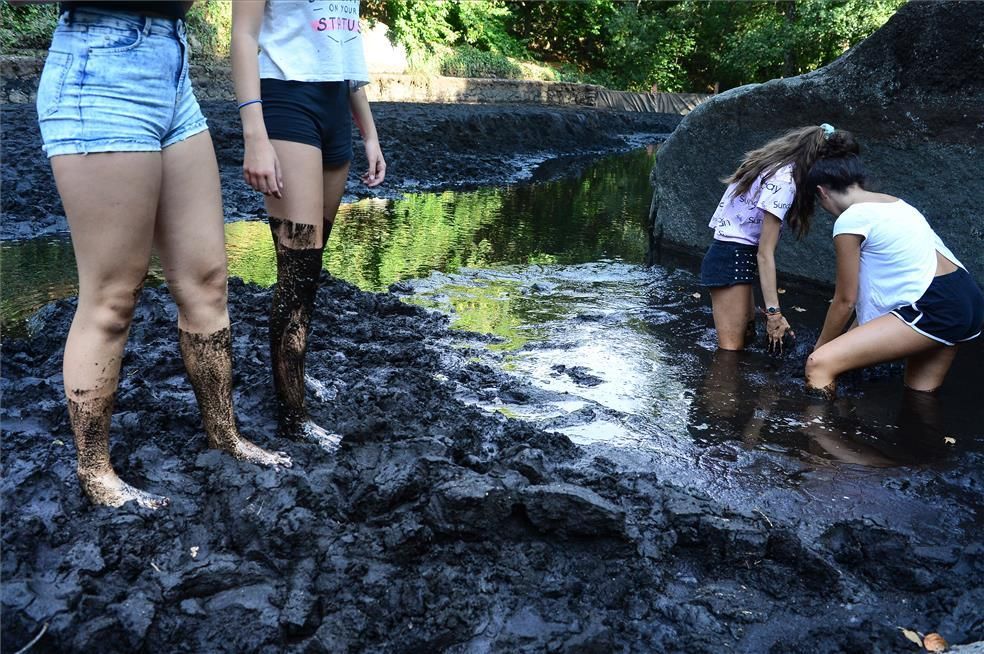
{"x":435,"y":526}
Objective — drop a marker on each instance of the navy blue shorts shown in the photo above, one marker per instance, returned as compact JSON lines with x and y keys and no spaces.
{"x":315,"y":113}
{"x":950,"y":311}
{"x":727,"y":264}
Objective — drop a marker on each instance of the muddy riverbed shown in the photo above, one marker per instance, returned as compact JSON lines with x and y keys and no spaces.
{"x":444,"y":524}
{"x":426,"y":147}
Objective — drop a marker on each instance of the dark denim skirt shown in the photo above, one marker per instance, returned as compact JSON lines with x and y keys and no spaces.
{"x":727,"y":263}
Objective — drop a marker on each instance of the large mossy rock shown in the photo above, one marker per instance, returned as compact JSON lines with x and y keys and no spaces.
{"x":913,"y":93}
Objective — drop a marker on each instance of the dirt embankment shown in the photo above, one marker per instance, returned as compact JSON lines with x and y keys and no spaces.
{"x":426,"y":146}
{"x":436,"y":527}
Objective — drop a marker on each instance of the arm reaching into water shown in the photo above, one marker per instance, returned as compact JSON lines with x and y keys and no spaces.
{"x":261,"y":168}
{"x":848,"y":249}
{"x":776,"y":324}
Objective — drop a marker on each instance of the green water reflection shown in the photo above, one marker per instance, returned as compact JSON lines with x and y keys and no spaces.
{"x":599,"y":213}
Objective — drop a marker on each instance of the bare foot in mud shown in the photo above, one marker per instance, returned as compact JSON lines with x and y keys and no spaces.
{"x":310,"y":431}
{"x":107,"y":489}
{"x":245,"y":450}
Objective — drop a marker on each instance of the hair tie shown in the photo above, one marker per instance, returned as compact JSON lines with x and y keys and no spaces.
{"x":828,"y":129}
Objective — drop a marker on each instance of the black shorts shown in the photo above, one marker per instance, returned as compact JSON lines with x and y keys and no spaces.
{"x":727,"y":264}
{"x":315,"y":113}
{"x":950,"y":311}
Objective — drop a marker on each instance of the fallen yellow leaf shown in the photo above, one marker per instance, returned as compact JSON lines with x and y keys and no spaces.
{"x":949,"y":440}
{"x":935,"y":643}
{"x":912,"y":635}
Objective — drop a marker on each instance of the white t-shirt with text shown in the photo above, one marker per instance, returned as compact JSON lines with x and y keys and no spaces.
{"x":738,"y":218}
{"x":312,"y":41}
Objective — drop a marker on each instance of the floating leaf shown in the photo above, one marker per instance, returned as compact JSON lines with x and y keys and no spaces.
{"x":935,"y":643}
{"x":912,"y":635}
{"x":949,"y":440}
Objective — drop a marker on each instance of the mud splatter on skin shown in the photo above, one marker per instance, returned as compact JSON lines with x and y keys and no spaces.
{"x":299,"y":261}
{"x":90,"y":420}
{"x":208,"y":361}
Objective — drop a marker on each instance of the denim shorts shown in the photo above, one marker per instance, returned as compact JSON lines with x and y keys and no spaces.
{"x":950,"y":311}
{"x":315,"y":113}
{"x":727,"y":263}
{"x":116,"y":81}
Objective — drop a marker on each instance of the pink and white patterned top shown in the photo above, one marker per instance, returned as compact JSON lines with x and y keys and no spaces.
{"x":738,"y":218}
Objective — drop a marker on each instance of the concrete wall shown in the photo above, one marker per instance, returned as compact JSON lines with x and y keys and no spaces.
{"x":214,"y":82}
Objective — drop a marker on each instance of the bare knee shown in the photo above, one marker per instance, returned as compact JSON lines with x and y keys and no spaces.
{"x":110,"y":311}
{"x":818,"y":370}
{"x":202,"y":299}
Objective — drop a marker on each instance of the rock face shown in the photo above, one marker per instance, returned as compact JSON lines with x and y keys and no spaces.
{"x":912,"y":93}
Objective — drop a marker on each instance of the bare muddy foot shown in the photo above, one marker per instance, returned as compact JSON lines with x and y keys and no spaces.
{"x":245,"y":450}
{"x":308,"y":430}
{"x":107,"y":489}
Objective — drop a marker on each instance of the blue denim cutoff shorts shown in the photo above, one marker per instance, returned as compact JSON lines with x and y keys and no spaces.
{"x":116,"y":81}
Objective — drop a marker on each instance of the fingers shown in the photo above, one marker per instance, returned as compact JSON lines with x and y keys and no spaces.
{"x":267,"y":183}
{"x":279,"y":177}
{"x":376,"y":172}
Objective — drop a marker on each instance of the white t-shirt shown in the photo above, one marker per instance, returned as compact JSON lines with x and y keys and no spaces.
{"x":312,"y":41}
{"x":738,"y":218}
{"x":898,"y":255}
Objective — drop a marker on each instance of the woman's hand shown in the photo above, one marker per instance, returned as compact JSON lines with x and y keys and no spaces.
{"x":261,"y":168}
{"x":776,"y":327}
{"x":376,"y":173}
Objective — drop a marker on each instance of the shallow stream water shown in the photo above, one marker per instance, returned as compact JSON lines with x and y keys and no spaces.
{"x":618,"y":356}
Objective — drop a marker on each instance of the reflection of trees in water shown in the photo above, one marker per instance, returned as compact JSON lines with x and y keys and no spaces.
{"x":601,"y":212}
{"x":735,"y":403}
{"x":34,"y":273}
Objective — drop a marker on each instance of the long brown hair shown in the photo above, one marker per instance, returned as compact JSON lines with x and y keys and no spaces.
{"x":800,"y":147}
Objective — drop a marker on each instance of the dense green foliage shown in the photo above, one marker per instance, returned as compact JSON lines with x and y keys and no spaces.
{"x":684,"y":45}
{"x":29,"y":27}
{"x":679,"y":45}
{"x":468,"y":61}
{"x":26,"y":27}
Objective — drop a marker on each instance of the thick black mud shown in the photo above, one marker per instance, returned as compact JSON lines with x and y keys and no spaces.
{"x":435,"y":527}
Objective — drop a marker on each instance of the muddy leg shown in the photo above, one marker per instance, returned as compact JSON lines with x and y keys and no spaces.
{"x":90,"y":420}
{"x":299,"y":259}
{"x":208,"y":360}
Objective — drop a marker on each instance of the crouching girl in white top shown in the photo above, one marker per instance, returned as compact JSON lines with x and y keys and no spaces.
{"x":914,"y":299}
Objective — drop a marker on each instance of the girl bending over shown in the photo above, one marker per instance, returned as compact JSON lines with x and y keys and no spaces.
{"x":766,"y":191}
{"x":914,"y":299}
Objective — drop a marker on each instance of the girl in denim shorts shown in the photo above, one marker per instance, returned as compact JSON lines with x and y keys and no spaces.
{"x":297,"y":100}
{"x":765,"y":193}
{"x":913,"y":298}
{"x":135,"y":169}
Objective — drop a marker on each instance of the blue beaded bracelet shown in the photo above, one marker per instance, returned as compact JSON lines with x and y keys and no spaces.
{"x":249,"y":102}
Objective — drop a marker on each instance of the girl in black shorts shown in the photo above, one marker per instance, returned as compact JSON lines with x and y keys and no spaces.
{"x":297,"y":101}
{"x":913,"y":297}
